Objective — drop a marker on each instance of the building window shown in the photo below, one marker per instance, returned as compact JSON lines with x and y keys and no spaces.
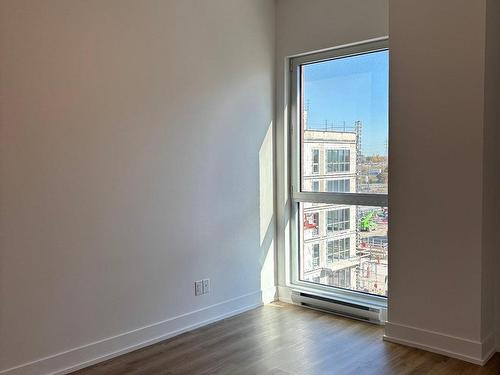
{"x":315,"y":185}
{"x":338,"y":249}
{"x":338,"y":186}
{"x":337,"y":220}
{"x":315,"y":255}
{"x":342,"y":278}
{"x":315,"y":161}
{"x":329,"y":252}
{"x":338,"y":160}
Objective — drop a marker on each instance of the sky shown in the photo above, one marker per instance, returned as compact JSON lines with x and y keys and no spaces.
{"x":349,"y":89}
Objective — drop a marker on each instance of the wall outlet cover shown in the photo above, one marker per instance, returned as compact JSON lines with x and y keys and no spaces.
{"x":206,"y":286}
{"x":198,"y":288}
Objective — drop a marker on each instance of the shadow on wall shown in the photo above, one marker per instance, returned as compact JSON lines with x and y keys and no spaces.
{"x":266,"y":217}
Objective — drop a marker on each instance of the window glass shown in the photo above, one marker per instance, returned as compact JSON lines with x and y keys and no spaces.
{"x":341,"y":151}
{"x":345,"y":120}
{"x":353,"y":238}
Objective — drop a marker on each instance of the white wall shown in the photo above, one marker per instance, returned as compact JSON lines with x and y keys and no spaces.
{"x":136,"y":158}
{"x":136,"y":153}
{"x":440,"y":282}
{"x":302,"y":27}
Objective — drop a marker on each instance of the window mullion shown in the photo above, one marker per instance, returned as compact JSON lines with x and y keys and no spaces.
{"x":359,"y":199}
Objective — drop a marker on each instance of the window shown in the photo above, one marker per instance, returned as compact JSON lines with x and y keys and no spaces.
{"x":338,"y":160}
{"x":339,"y":249}
{"x":339,"y":115}
{"x":338,"y":186}
{"x":315,"y":161}
{"x":315,"y":256}
{"x":342,"y":278}
{"x":338,"y":220}
{"x":329,"y":252}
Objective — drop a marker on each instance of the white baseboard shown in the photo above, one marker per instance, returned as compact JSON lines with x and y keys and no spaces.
{"x":269,"y":295}
{"x":477,"y":352}
{"x":285,"y":294}
{"x":89,"y":354}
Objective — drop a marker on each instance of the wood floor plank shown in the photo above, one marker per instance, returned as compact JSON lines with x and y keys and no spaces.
{"x":281,"y":339}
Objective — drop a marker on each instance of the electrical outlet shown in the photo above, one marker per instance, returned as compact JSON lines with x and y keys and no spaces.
{"x":198,"y":288}
{"x":206,"y":286}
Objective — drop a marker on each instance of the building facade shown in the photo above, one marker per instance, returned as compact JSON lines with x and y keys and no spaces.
{"x":341,"y":245}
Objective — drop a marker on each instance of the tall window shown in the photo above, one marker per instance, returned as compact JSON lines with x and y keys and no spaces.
{"x":339,"y":119}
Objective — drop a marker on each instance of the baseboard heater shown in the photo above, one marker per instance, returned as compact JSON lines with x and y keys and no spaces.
{"x":339,"y":307}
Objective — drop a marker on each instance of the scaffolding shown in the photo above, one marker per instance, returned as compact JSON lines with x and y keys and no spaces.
{"x":358,"y":125}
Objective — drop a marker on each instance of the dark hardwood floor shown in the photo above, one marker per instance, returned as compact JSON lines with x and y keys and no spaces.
{"x":282,"y":339}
